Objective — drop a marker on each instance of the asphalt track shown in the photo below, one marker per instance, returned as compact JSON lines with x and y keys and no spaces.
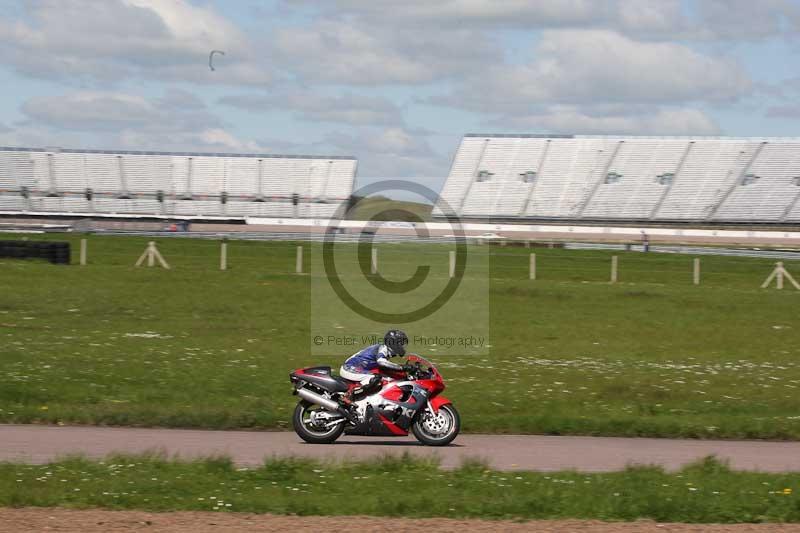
{"x":40,"y":444}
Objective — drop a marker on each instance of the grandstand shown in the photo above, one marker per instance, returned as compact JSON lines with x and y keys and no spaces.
{"x":51,"y":181}
{"x":706,"y":180}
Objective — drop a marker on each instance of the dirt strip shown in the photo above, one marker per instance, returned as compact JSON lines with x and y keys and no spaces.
{"x":40,"y":444}
{"x":90,"y":521}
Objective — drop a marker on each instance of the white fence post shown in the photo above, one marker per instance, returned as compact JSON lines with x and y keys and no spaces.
{"x":374,"y":263}
{"x":223,"y":256}
{"x":778,"y":273}
{"x":696,"y":273}
{"x":614,"y":264}
{"x":298,"y":264}
{"x":150,"y":254}
{"x":452,"y":263}
{"x":532,"y":273}
{"x":790,"y":278}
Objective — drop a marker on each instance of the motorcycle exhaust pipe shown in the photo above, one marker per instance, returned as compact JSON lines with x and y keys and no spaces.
{"x":313,"y":397}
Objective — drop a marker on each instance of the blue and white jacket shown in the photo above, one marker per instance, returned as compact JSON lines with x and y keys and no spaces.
{"x":369,"y":359}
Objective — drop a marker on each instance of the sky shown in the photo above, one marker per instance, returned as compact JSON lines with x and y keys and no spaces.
{"x":395,"y":83}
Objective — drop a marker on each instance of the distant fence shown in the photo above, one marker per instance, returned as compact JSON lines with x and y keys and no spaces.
{"x":689,"y":250}
{"x":283,"y":236}
{"x":390,"y":238}
{"x":510,"y":260}
{"x":509,"y":230}
{"x":57,"y":253}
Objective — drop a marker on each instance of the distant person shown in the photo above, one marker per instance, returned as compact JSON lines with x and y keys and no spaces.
{"x":645,"y":242}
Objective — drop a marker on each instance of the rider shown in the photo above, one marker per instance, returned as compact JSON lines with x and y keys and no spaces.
{"x":358,"y":367}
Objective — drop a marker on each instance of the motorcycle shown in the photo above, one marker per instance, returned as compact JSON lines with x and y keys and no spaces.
{"x":390,"y":405}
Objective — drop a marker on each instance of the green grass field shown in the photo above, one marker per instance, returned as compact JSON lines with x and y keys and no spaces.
{"x":570,"y":353}
{"x":382,"y":208}
{"x":706,"y":492}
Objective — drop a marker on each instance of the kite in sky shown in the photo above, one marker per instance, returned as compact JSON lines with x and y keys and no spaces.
{"x":211,"y":58}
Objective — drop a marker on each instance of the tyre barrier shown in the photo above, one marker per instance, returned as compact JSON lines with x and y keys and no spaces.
{"x":57,"y":253}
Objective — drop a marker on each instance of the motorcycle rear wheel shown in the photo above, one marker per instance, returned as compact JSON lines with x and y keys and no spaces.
{"x":306,"y":430}
{"x":437,"y":429}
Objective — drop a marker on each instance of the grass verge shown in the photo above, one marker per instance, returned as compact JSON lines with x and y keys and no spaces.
{"x":570,"y":353}
{"x":704,"y":492}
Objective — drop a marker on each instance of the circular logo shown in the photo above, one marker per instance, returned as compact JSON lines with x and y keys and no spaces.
{"x":366,"y":244}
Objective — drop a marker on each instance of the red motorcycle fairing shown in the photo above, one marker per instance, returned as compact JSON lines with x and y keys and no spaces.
{"x":394,"y":413}
{"x":377,"y":423}
{"x":392,"y":427}
{"x":392,"y":410}
{"x":437,"y":402}
{"x":393,"y":393}
{"x":397,"y":394}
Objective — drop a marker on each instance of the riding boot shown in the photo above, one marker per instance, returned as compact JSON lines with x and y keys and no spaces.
{"x":356,"y":393}
{"x":371,"y":387}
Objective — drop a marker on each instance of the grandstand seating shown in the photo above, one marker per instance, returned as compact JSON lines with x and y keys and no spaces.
{"x":605,"y":178}
{"x":98,"y":182}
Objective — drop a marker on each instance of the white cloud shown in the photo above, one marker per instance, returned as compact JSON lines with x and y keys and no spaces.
{"x":348,"y":108}
{"x":382,"y":152}
{"x":191,"y":25}
{"x":595,"y":66}
{"x":577,"y":120}
{"x":180,"y":99}
{"x":786,"y":112}
{"x":740,"y":20}
{"x":389,"y":152}
{"x":91,"y":111}
{"x":730,"y":20}
{"x":177,"y":120}
{"x":27,"y":134}
{"x":110,"y":40}
{"x":206,"y":139}
{"x":642,"y":16}
{"x":357,"y":53}
{"x":112,"y":111}
{"x":397,"y":142}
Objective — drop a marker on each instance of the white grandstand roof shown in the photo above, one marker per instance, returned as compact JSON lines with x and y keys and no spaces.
{"x":47,"y":180}
{"x":622,"y":136}
{"x":693,"y":179}
{"x":189,"y":154}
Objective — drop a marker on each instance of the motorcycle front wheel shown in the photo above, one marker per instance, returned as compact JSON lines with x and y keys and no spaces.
{"x":309,"y":421}
{"x":437,"y":429}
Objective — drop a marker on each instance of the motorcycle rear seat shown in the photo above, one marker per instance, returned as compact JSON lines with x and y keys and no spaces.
{"x":328,"y":382}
